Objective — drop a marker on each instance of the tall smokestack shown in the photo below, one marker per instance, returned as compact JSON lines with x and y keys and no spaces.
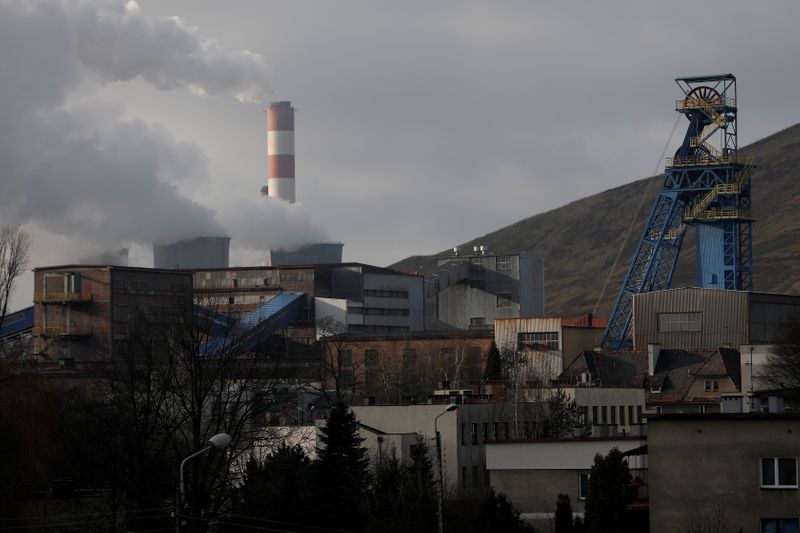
{"x":280,"y":151}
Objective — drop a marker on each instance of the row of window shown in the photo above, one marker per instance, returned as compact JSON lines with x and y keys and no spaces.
{"x":386,"y":293}
{"x":377,"y":311}
{"x":481,"y":433}
{"x":547,"y":340}
{"x":672,"y":322}
{"x":504,"y":300}
{"x":503,"y":262}
{"x":152,"y":288}
{"x":600,"y":414}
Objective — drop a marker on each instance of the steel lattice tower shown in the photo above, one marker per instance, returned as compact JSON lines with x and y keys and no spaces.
{"x":705,"y":186}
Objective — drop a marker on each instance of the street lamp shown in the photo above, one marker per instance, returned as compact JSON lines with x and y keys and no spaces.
{"x":219,"y":441}
{"x":451,"y":407}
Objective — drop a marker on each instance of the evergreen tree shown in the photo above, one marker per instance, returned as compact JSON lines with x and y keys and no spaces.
{"x":563,"y":514}
{"x":606,"y":501}
{"x":496,"y":513}
{"x":421,"y":499}
{"x":494,"y":364}
{"x":277,"y":488}
{"x":564,"y":416}
{"x":343,"y":471}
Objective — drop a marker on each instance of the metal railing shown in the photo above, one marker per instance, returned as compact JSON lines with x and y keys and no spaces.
{"x":698,"y":161}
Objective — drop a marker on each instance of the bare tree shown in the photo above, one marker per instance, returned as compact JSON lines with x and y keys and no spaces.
{"x":15,"y":245}
{"x":783,"y":363}
{"x":339,"y":369}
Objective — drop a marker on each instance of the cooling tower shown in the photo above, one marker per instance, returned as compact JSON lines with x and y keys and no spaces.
{"x":200,"y":252}
{"x":280,"y":151}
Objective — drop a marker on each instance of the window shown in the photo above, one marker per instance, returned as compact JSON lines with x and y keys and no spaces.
{"x":506,"y":430}
{"x":679,"y":322}
{"x":496,"y":432}
{"x":711,"y":385}
{"x":780,"y":525}
{"x":463,"y":433}
{"x":614,"y":415}
{"x":604,"y":411}
{"x":779,"y":472}
{"x":583,"y":485}
{"x":477,"y":321}
{"x":464,"y":476}
{"x":485,"y":431}
{"x":474,"y":432}
{"x":621,"y":415}
{"x":546,"y":340}
{"x":630,"y":415}
{"x":476,"y":476}
{"x":503,"y":262}
{"x":595,"y":419}
{"x":347,"y":357}
{"x":504,"y":299}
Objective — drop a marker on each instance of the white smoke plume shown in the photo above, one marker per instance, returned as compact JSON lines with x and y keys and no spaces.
{"x":82,"y":171}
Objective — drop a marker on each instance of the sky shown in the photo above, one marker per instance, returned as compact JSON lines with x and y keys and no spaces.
{"x":419,"y":125}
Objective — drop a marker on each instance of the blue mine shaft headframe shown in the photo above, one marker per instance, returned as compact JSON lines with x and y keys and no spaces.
{"x":707,"y":186}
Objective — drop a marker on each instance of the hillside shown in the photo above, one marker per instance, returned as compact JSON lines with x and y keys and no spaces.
{"x":580,"y":240}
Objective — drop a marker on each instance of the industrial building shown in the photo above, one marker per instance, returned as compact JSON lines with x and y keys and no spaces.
{"x":699,"y":318}
{"x":471,"y":291}
{"x":309,"y":254}
{"x":549,"y":344}
{"x":350,"y":296}
{"x":80,"y":310}
{"x":200,"y":252}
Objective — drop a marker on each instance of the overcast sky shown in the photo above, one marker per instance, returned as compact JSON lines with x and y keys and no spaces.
{"x":419,"y":125}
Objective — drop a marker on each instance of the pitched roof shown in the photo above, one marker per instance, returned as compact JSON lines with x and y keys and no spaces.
{"x":609,"y":369}
{"x":676,"y":370}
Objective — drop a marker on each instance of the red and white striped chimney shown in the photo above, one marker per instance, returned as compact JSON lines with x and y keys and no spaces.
{"x":280,"y":151}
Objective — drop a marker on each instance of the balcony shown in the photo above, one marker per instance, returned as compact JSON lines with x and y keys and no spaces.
{"x":69,"y":331}
{"x":62,"y":297}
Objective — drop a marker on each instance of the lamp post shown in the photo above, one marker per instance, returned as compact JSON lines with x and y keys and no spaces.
{"x":220,"y":440}
{"x":451,"y":407}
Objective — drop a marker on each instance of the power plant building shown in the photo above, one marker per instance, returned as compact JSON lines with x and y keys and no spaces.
{"x":471,"y":291}
{"x":200,"y":252}
{"x":310,"y":254}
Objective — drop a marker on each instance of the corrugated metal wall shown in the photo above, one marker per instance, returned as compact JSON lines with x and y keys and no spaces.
{"x":723,"y":318}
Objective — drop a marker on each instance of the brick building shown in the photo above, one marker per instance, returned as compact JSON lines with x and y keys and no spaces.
{"x":403,"y":369}
{"x":80,"y":310}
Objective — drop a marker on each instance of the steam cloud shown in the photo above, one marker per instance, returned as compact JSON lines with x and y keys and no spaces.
{"x":83,"y":171}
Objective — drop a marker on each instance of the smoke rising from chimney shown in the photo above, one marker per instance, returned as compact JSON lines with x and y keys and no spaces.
{"x":81,"y":170}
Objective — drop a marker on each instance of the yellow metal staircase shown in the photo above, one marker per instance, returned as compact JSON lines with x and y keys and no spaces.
{"x":696,"y":213}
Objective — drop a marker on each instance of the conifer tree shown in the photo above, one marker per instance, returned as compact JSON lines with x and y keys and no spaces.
{"x":606,"y":501}
{"x":343,"y":471}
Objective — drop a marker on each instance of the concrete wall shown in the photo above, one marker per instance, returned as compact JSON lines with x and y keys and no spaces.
{"x":701,"y":464}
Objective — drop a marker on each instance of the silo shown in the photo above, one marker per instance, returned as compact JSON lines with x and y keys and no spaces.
{"x":280,"y":151}
{"x":200,"y":252}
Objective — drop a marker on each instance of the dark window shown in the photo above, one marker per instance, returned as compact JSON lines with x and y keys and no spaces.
{"x":496,"y":432}
{"x":464,"y":476}
{"x":595,"y":420}
{"x":474,"y":432}
{"x":630,"y":415}
{"x":711,"y":385}
{"x":477,"y":321}
{"x":463,"y":433}
{"x":476,"y":476}
{"x":621,"y":415}
{"x":503,"y":262}
{"x":583,"y":485}
{"x":780,"y":525}
{"x":604,"y":414}
{"x":779,"y":472}
{"x":506,"y":430}
{"x":504,"y":299}
{"x":485,"y":431}
{"x":613,"y":414}
{"x":346,"y":357}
